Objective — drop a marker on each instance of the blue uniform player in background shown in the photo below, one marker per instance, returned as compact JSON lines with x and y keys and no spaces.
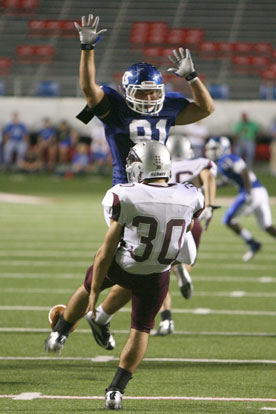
{"x":144,"y":111}
{"x":251,"y":199}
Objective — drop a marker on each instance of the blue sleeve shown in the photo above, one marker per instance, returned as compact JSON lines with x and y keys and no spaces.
{"x":118,"y":107}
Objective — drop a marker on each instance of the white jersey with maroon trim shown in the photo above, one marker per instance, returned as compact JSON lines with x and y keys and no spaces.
{"x":189,"y":170}
{"x":155,"y":220}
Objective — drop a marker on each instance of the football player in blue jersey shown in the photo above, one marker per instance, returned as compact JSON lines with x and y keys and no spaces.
{"x":145,"y":111}
{"x":251,"y":199}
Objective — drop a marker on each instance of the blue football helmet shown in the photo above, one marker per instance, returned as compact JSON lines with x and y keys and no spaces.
{"x":216,"y":147}
{"x":143,"y":76}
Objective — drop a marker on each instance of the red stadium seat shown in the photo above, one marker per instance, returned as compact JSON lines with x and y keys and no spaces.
{"x":268,"y":74}
{"x":61,"y":28}
{"x":263,"y":48}
{"x":193,"y":38}
{"x":153,"y":54}
{"x":5,"y":66}
{"x":225,"y":49}
{"x":241,"y":64}
{"x":176,"y":37}
{"x":209,"y":50}
{"x":250,"y":64}
{"x":157,"y":33}
{"x":273,"y":54}
{"x":18,"y":7}
{"x":144,"y":33}
{"x":34,"y":54}
{"x":242,"y":48}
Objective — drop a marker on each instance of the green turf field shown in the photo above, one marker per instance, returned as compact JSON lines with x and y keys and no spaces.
{"x":221,"y":360}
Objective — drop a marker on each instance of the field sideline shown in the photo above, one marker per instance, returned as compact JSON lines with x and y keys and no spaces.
{"x":221,"y":359}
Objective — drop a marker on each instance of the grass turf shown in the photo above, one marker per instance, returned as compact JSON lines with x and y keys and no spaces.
{"x":45,"y":250}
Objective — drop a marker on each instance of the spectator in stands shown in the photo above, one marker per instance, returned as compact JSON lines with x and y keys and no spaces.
{"x":67,"y":139}
{"x":273,"y":149}
{"x":82,"y":159}
{"x":99,"y":147}
{"x":47,"y":145}
{"x":30,"y":163}
{"x":246,"y":132}
{"x":15,"y":140}
{"x":197,"y":134}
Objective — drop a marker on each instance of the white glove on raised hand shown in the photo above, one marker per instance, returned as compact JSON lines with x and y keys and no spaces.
{"x":184,"y":64}
{"x":88,"y":32}
{"x":207,"y":215}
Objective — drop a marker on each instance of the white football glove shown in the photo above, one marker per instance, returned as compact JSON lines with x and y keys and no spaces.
{"x":184,"y":64}
{"x":207,"y":215}
{"x":88,"y":32}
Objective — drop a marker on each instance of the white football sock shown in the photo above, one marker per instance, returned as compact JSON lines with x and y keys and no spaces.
{"x":102,"y":318}
{"x":246,"y":235}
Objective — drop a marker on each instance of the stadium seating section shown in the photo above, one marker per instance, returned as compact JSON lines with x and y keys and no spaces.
{"x":231,"y":43}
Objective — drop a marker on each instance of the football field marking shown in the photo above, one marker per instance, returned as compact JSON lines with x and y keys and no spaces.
{"x":220,"y":279}
{"x":85,"y":253}
{"x":196,"y":311}
{"x":231,"y":294}
{"x":24,"y":199}
{"x":31,"y":396}
{"x":106,"y":358}
{"x":126,"y":331}
{"x":77,"y":263}
{"x":27,"y":396}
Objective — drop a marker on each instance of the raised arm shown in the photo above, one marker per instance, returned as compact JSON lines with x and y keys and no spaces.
{"x":203,"y":104}
{"x":88,"y":38}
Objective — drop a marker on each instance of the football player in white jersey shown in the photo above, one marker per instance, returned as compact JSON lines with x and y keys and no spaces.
{"x":149,"y":218}
{"x":202,"y":173}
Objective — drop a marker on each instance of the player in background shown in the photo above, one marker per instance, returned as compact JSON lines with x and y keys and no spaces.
{"x":143,"y":112}
{"x":252,"y":197}
{"x":149,"y":219}
{"x":202,"y":173}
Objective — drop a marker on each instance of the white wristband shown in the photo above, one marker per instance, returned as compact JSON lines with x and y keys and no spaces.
{"x":193,"y":80}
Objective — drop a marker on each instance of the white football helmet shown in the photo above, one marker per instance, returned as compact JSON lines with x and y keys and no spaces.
{"x":148,"y":159}
{"x":180,"y":148}
{"x":216,"y":147}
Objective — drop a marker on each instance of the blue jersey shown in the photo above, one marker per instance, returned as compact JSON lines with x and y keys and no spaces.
{"x":47,"y":133}
{"x":231,"y":166}
{"x":124,"y":128}
{"x":15,"y":131}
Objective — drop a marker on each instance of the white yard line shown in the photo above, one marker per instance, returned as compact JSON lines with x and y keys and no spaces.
{"x":196,"y":311}
{"x":76,"y":263}
{"x":23,"y":252}
{"x":103,"y":358}
{"x":37,"y":395}
{"x":126,"y":331}
{"x":237,"y":294}
{"x":24,"y":199}
{"x":220,"y":279}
